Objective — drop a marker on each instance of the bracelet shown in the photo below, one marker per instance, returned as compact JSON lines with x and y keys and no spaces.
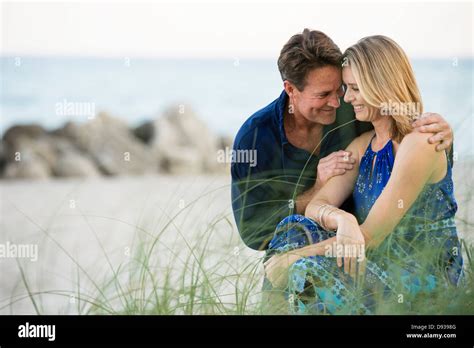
{"x":322,"y":210}
{"x":326,"y":228}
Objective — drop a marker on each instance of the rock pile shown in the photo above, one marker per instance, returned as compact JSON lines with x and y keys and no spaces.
{"x":175,"y":143}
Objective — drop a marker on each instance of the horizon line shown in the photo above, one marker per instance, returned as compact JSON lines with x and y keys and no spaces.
{"x":157,"y":57}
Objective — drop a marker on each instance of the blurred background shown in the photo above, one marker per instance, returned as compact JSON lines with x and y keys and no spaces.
{"x":121,"y":111}
{"x":214,"y":62}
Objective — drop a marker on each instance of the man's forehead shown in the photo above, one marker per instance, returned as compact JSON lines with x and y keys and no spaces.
{"x":318,"y":80}
{"x":328,"y":70}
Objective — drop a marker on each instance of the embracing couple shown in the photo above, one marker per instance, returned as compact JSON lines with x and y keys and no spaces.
{"x":352,"y":194}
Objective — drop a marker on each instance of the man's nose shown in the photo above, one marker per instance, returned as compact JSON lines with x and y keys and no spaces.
{"x":334,"y":102}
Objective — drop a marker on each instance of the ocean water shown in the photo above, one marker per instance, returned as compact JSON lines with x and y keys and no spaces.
{"x":224,"y":93}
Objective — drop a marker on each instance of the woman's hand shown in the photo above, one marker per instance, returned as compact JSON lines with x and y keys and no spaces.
{"x":276,"y":268}
{"x":350,"y":245}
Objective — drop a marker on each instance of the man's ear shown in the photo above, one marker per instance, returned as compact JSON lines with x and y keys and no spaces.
{"x":289,"y":88}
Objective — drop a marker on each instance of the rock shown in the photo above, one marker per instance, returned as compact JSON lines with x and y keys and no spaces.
{"x":184,"y":144}
{"x":75,"y":165}
{"x":30,"y":166}
{"x":176,"y":143}
{"x":3,"y":160}
{"x":34,"y":154}
{"x":183,"y":161}
{"x":14,"y":133}
{"x":225,"y":141}
{"x":27,"y":157}
{"x":71,"y":163}
{"x":111,"y":145}
{"x":145,"y":132}
{"x":20,"y":138}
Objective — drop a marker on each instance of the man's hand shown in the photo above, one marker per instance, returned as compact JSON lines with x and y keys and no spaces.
{"x":337,"y":163}
{"x":435,"y":123}
{"x":276,"y":268}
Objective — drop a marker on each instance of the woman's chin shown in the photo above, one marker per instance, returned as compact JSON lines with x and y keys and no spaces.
{"x":362,"y":116}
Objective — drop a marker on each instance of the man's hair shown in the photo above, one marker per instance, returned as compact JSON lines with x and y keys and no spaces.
{"x":304,"y":52}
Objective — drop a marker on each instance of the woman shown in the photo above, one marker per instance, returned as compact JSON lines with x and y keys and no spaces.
{"x":404,"y":203}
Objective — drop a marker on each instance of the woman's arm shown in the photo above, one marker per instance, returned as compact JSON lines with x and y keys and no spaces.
{"x":276,"y":267}
{"x":333,"y":193}
{"x":323,"y":206}
{"x":415,"y":164}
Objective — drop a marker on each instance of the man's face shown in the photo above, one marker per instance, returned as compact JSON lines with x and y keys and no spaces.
{"x":319,"y":99}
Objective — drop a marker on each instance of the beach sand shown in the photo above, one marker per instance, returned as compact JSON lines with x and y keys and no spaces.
{"x":82,"y":216}
{"x":92,"y":226}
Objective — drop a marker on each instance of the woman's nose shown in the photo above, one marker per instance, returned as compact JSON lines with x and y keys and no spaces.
{"x":347,"y":96}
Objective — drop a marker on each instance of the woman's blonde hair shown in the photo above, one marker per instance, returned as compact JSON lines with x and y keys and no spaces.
{"x":386,"y":81}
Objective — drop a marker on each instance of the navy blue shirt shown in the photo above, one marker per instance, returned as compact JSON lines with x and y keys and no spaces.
{"x":268,"y":172}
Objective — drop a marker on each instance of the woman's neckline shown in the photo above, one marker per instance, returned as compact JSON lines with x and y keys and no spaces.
{"x":389,"y":141}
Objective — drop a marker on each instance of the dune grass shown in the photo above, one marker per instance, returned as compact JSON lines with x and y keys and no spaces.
{"x":224,"y":287}
{"x":207,"y":272}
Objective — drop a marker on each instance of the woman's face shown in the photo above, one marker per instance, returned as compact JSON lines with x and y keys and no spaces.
{"x":363,"y":111}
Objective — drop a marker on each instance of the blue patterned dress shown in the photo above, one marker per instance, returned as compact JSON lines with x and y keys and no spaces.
{"x":422,"y":252}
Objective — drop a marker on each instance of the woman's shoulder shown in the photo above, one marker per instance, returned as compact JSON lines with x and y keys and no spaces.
{"x":417,"y":144}
{"x":360,"y":143}
{"x":363,"y":140}
{"x":419,"y":141}
{"x":366,"y":137}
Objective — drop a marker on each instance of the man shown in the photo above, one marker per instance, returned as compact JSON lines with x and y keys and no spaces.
{"x":299,"y":139}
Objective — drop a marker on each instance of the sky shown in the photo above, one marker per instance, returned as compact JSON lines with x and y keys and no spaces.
{"x":214,"y":29}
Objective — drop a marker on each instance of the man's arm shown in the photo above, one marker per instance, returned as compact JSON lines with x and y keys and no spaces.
{"x":258,"y":205}
{"x":260,"y":197}
{"x":259,"y":201}
{"x":303,"y":199}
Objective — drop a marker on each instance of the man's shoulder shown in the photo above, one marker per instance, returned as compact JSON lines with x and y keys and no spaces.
{"x":262,"y":124}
